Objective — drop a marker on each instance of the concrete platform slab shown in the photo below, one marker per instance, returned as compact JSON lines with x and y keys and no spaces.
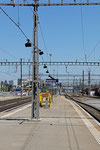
{"x":59,"y":128}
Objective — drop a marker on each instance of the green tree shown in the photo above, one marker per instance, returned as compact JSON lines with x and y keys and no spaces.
{"x":2,"y":85}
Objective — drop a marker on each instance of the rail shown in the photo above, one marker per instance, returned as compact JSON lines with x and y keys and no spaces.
{"x":94,"y":111}
{"x":8,"y":104}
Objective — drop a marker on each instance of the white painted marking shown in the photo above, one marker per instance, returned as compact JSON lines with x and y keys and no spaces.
{"x":16,"y":107}
{"x":89,"y":114}
{"x":89,"y":125}
{"x":7,"y":115}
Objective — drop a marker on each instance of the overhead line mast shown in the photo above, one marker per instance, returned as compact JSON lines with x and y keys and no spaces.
{"x":35,"y":73}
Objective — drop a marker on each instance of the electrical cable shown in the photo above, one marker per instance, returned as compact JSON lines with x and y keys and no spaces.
{"x":86,"y":57}
{"x":41,"y":34}
{"x":43,"y":40}
{"x":42,"y":37}
{"x":83,"y":33}
{"x":14,"y":23}
{"x":42,"y":58}
{"x":43,"y":61}
{"x":8,"y":74}
{"x":7,"y":53}
{"x":94,"y":48}
{"x":31,"y":42}
{"x":18,"y":14}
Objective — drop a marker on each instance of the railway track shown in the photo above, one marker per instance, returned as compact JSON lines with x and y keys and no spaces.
{"x":8,"y":104}
{"x":94,"y":111}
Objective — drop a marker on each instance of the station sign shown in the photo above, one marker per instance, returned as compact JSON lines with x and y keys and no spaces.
{"x":52,"y":80}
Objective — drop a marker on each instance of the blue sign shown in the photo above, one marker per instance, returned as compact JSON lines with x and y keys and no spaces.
{"x":51,"y":80}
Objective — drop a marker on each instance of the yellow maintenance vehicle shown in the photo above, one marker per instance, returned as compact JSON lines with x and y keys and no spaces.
{"x":43,"y":97}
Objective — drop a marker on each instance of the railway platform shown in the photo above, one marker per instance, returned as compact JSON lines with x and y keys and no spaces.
{"x":64,"y":126}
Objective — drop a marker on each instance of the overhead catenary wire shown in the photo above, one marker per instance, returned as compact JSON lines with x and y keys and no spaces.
{"x":43,"y":40}
{"x":9,"y":74}
{"x":83,"y":40}
{"x":41,"y":33}
{"x":32,"y":15}
{"x":14,"y":23}
{"x":44,"y":62}
{"x":6,"y":52}
{"x":98,"y":42}
{"x":22,"y":30}
{"x":18,"y":15}
{"x":42,"y":36}
{"x":18,"y":25}
{"x":42,"y":58}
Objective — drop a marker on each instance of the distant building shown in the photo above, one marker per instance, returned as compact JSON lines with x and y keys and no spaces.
{"x":13,"y":83}
{"x":24,"y":82}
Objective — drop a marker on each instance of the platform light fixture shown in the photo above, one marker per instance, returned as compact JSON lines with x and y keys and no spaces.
{"x":41,"y":52}
{"x":47,"y":71}
{"x":45,"y":66}
{"x":28,"y":43}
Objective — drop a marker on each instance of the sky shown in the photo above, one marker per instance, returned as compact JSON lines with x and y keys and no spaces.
{"x":64,"y":29}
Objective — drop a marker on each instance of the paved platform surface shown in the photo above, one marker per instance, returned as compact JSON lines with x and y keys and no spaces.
{"x":62,"y":127}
